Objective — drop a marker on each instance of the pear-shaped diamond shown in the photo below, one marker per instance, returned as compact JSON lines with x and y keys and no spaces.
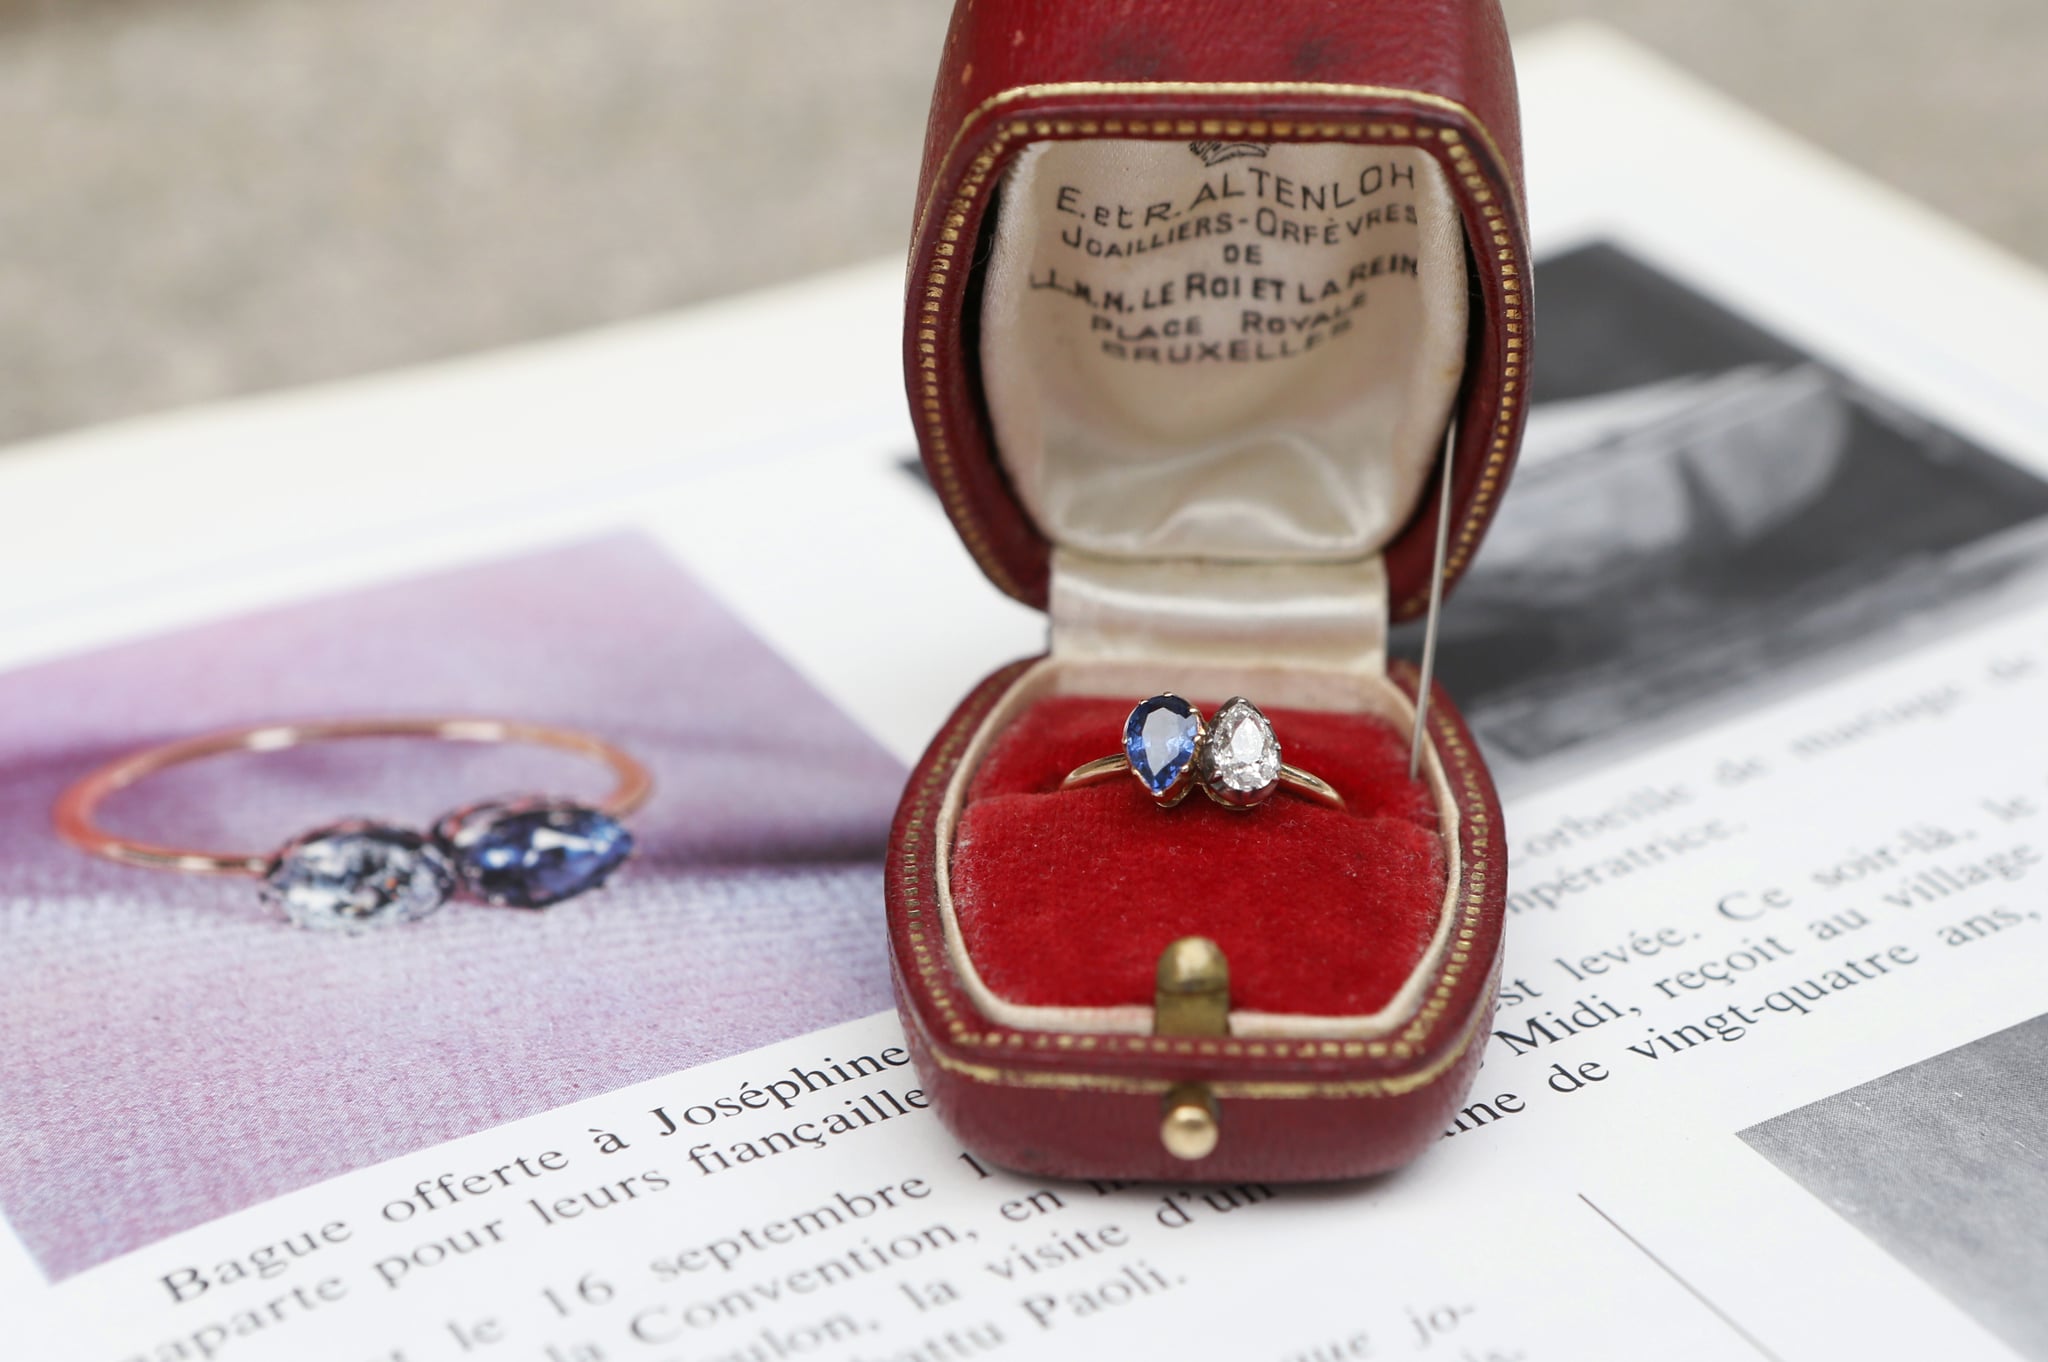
{"x":355,"y":875}
{"x":1159,"y":742}
{"x":1239,"y":763}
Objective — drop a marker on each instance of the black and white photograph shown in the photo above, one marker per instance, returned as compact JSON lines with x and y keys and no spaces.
{"x":1942,"y":1164}
{"x":1703,"y":518}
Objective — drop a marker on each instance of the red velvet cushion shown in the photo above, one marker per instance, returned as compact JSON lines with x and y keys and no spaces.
{"x":1067,"y":898}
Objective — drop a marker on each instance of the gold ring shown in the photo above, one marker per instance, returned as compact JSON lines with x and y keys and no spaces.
{"x":1234,"y":758}
{"x":524,"y":853}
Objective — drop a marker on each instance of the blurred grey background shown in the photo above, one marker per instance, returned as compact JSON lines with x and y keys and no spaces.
{"x":209,"y":197}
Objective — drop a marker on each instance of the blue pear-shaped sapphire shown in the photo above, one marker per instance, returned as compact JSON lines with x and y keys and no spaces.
{"x":534,"y":853}
{"x":1159,"y":741}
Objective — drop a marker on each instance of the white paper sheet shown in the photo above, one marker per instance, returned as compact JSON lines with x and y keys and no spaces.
{"x":1739,"y":928}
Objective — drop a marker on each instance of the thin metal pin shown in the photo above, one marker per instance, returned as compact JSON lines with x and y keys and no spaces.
{"x":1436,"y":602}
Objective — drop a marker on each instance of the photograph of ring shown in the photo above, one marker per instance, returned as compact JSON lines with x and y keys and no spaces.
{"x":1233,"y":758}
{"x":521,"y":853}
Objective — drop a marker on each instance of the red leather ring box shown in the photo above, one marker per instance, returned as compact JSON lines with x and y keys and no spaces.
{"x":1200,"y":295}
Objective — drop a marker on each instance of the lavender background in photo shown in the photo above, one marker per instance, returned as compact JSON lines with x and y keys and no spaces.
{"x":174,"y":1052}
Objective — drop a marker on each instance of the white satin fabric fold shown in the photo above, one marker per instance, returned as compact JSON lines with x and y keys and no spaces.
{"x":1170,"y":612}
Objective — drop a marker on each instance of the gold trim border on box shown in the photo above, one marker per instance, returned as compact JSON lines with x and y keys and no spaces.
{"x":1393,"y":1085}
{"x":1413,"y":1036}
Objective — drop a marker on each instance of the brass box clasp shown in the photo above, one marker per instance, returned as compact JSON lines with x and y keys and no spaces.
{"x":1191,"y":994}
{"x":1191,"y":997}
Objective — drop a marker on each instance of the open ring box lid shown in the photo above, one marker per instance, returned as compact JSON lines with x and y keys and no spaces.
{"x":1197,"y":293}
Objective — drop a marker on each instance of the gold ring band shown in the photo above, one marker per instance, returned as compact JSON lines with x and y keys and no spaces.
{"x":1173,"y":751}
{"x":75,"y":809}
{"x":1303,"y":783}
